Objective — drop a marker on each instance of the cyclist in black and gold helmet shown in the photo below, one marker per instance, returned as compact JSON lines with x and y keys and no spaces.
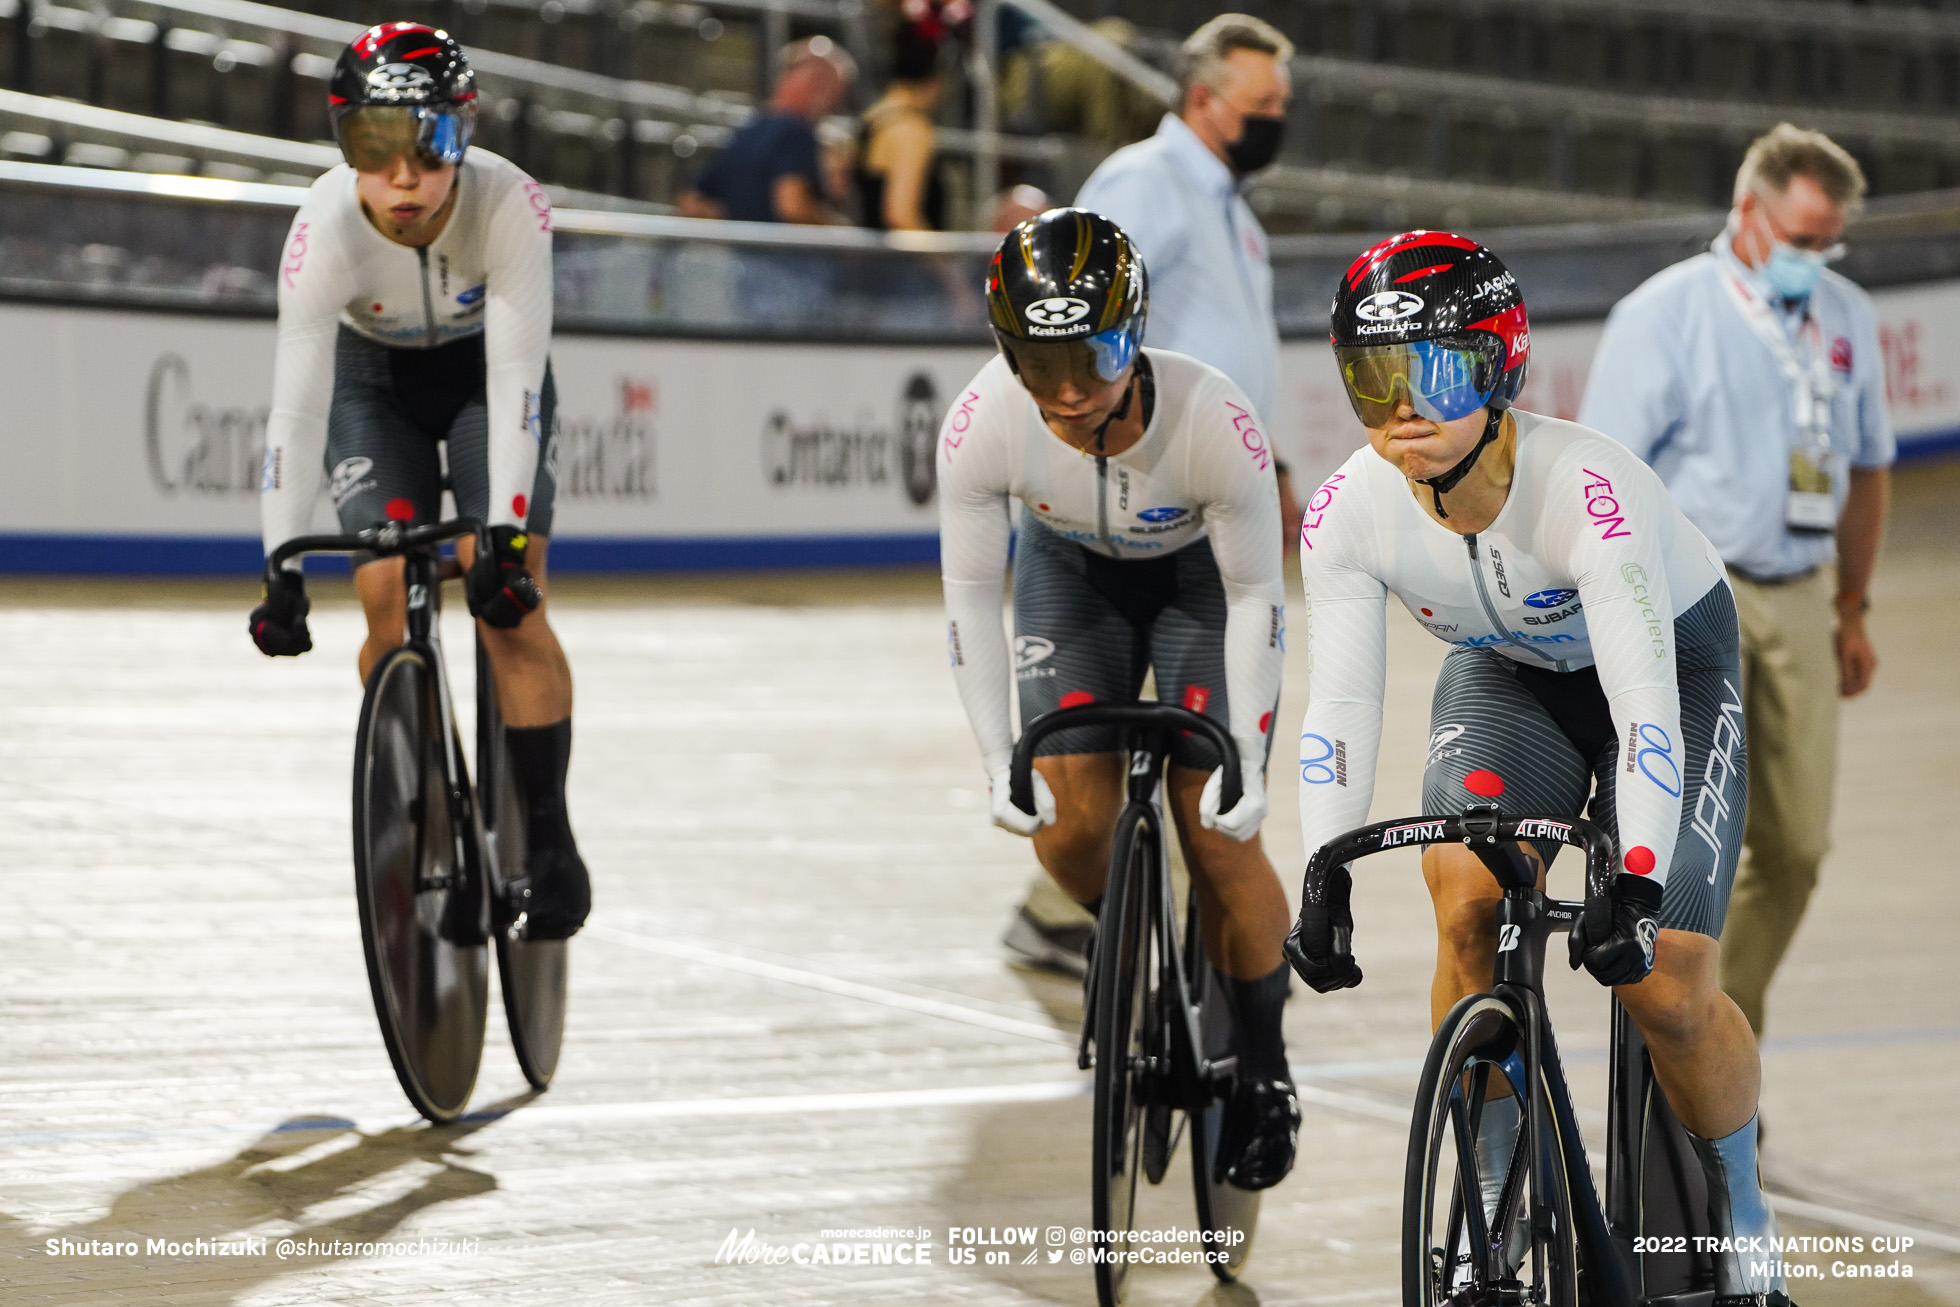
{"x":1149,"y":540}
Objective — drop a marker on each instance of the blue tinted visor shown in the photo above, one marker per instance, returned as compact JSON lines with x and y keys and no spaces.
{"x":1440,"y":379}
{"x":373,"y":136}
{"x":1087,"y":364}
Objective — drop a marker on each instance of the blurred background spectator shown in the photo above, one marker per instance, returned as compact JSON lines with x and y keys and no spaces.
{"x":898,"y":184}
{"x":1053,"y":86}
{"x":770,"y":170}
{"x":1016,"y":205}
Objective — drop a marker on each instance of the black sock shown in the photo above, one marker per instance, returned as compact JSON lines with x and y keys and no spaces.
{"x":539,"y":756}
{"x":1259,"y":1005}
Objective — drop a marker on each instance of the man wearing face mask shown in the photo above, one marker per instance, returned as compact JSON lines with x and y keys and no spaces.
{"x":1750,"y":378}
{"x":1211,"y":279}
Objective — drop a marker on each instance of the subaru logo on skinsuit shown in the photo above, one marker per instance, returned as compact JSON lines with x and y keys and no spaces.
{"x":400,"y":79}
{"x":1162,"y":514}
{"x":1551,"y":598}
{"x":1389,"y":306}
{"x":1057,"y":311}
{"x":472,"y":295}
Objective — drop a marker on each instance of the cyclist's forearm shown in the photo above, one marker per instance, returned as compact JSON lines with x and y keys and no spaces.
{"x":976,"y":645}
{"x":1255,"y":655}
{"x":1339,"y":742}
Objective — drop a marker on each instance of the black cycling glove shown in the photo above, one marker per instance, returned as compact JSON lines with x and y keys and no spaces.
{"x":1321,"y":946}
{"x":278,"y":624}
{"x":1614,"y":937}
{"x":499,"y":590}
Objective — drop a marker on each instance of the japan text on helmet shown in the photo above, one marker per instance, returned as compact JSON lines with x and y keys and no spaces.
{"x":402,"y":87}
{"x":1067,"y":295}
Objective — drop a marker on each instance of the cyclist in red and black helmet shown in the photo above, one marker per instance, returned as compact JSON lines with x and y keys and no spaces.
{"x":414,"y":321}
{"x":1595,"y":668}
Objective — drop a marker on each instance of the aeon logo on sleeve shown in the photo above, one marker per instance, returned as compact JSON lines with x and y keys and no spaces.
{"x":1389,"y":306}
{"x":1056,"y":311}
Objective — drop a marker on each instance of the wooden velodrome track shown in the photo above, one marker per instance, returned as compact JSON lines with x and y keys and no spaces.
{"x":790,"y":1014}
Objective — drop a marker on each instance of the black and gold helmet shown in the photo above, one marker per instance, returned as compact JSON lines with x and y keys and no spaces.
{"x":1068,"y":295}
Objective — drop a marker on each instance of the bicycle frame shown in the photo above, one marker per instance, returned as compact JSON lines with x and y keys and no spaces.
{"x":1526,"y":917}
{"x":1146,"y":734}
{"x":422,"y":580}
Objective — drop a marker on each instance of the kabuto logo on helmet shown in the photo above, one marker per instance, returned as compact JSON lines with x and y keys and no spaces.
{"x":400,"y":81}
{"x":1389,"y":306}
{"x":1056,"y":311}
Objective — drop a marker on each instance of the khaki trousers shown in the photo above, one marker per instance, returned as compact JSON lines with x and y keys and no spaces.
{"x":1790,"y":701}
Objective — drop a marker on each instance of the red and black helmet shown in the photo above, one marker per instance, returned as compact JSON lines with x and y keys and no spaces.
{"x":1434,"y":286}
{"x":402,"y":85}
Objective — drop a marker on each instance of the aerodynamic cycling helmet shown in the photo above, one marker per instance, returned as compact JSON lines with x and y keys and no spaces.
{"x":402,"y":88}
{"x":1436,"y":321}
{"x":1068,"y":295}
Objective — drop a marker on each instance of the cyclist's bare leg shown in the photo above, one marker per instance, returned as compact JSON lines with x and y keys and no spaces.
{"x":534,"y":682}
{"x":1088,"y":791}
{"x":1704,"y":1055}
{"x":1241,"y":907}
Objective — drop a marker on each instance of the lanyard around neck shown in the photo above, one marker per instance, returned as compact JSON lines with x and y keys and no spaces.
{"x":1811,"y":385}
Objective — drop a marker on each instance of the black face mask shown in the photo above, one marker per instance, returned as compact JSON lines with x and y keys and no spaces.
{"x":1258,"y":144}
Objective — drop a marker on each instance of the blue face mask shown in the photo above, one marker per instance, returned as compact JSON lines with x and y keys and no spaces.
{"x":1791,"y":273}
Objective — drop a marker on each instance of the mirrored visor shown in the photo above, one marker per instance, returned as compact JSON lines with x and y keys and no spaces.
{"x":1440,"y":379}
{"x":1087,"y":365}
{"x":373,"y":136}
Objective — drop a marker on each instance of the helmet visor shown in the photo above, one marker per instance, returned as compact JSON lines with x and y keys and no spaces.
{"x":1440,"y":379}
{"x":373,"y":136}
{"x":1087,"y":365}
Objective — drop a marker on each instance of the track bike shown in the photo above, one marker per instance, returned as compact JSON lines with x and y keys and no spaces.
{"x":1499,"y":1208}
{"x":438,"y":864}
{"x":1157,"y":1026}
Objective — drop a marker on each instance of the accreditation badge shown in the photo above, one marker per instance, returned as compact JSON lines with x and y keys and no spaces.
{"x":1811,"y":508}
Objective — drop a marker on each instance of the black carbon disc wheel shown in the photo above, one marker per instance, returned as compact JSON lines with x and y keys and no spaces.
{"x":421,"y":917}
{"x":531,"y":973}
{"x":1459,"y":1247}
{"x":1126,"y":990}
{"x":1227,"y":1213}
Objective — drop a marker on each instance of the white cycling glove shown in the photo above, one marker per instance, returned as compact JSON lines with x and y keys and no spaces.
{"x":1242,"y":822}
{"x":1010,"y":818}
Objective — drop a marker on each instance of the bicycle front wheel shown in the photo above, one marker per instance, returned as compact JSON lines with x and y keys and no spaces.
{"x":1126,"y":1033}
{"x":531,"y":972}
{"x":1481,"y":1226}
{"x":420,"y":930}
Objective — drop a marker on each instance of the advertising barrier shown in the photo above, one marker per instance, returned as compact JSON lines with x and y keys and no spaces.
{"x":133,"y":439}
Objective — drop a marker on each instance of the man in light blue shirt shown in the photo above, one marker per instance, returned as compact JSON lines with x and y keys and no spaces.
{"x":1751,"y":379}
{"x":1211,"y":283}
{"x":1177,"y":196}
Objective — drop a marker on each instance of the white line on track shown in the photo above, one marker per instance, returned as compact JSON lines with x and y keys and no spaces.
{"x":830,"y":984}
{"x":1861,"y":1222}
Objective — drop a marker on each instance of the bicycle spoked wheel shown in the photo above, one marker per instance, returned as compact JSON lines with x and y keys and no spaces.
{"x":1228,"y":1214}
{"x":531,"y":972}
{"x":1126,"y":1062}
{"x":421,"y":913}
{"x":1468,"y":1190}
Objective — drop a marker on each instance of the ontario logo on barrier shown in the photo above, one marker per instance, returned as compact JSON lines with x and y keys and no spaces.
{"x":821,"y":456}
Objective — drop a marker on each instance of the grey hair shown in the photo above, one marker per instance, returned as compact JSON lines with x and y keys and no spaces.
{"x":1202,"y":56}
{"x":1787,"y":151}
{"x":819,"y":49}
